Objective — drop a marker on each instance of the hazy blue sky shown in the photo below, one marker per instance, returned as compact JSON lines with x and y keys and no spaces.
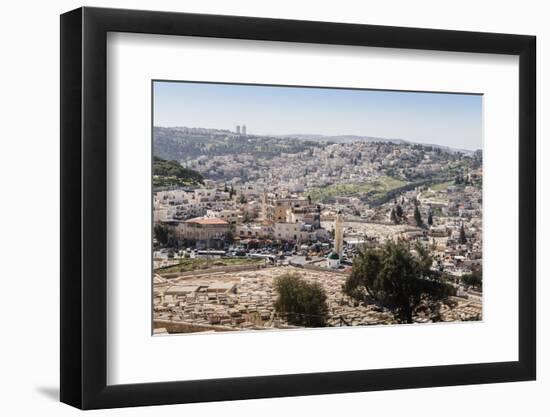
{"x":446,"y":119}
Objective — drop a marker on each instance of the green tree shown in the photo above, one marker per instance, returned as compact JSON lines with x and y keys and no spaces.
{"x":161,"y":234}
{"x":163,"y":168}
{"x":393,"y":216}
{"x":462,"y":238}
{"x":418,"y":217}
{"x":301,"y":303}
{"x":398,"y":278}
{"x":475,"y":279}
{"x":399,"y":211}
{"x":229,"y":237}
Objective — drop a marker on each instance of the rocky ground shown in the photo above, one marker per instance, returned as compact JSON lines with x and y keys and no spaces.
{"x":245,"y":300}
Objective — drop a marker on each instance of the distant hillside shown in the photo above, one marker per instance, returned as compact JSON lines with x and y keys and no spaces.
{"x":187,"y":143}
{"x":182,"y":144}
{"x":357,"y":138}
{"x":167,"y":173}
{"x":343,"y":138}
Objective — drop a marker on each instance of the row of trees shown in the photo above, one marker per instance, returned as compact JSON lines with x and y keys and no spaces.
{"x":396,"y":275}
{"x":396,"y":215}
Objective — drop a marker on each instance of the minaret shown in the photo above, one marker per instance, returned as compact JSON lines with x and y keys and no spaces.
{"x":339,"y":234}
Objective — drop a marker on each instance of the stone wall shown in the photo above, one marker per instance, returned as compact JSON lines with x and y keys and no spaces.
{"x":214,"y":269}
{"x":188,"y":327}
{"x":323,"y":269}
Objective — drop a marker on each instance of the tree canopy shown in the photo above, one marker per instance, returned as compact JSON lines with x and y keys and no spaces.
{"x":399,"y":211}
{"x":418,"y":217}
{"x":475,"y":279}
{"x":165,"y":236}
{"x":300,"y":302}
{"x":399,"y":278}
{"x":161,"y":234}
{"x":174,"y":170}
{"x":462,"y":238}
{"x":393,"y":216}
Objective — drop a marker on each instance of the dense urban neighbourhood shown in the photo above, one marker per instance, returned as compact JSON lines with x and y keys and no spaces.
{"x":264,"y":232}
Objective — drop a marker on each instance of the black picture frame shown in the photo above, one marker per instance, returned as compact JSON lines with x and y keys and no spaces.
{"x":84,"y":207}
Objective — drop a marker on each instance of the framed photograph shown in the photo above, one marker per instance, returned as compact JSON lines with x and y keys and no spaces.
{"x":258,"y":208}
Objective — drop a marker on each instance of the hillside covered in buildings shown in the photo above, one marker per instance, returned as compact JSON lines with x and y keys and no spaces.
{"x":236,"y":213}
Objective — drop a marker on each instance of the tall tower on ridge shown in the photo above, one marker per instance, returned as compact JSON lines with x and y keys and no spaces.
{"x":244,"y":130}
{"x":238,"y":129}
{"x":339,"y":234}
